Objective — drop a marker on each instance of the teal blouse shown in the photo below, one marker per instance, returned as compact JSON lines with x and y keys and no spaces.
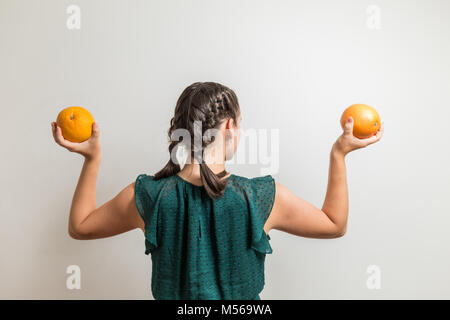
{"x":203,"y":248}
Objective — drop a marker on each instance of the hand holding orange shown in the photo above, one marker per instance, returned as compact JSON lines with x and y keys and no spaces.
{"x":362,"y":127}
{"x":366,"y":121}
{"x":76,"y":130}
{"x":76,"y":123}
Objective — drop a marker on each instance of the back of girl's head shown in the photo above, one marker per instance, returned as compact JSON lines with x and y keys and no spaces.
{"x":208,"y":103}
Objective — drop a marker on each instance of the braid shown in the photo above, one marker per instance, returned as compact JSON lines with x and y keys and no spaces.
{"x":207,"y":103}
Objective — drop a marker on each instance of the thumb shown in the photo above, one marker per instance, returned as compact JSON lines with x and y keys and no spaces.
{"x":95,"y":130}
{"x":348,"y":128}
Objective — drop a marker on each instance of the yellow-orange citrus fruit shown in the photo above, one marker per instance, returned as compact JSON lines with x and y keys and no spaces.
{"x":366,"y":120}
{"x":76,"y":123}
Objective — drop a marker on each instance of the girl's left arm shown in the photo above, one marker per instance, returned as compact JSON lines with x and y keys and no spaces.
{"x":86,"y":221}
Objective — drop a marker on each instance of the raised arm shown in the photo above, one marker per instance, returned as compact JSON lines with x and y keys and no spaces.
{"x":294,"y":215}
{"x":116,"y":216}
{"x":86,"y":221}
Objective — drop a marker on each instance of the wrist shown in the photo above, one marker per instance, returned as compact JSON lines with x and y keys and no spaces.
{"x":336,"y":151}
{"x":93,"y":159}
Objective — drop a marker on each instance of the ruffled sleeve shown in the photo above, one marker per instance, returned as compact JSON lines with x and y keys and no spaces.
{"x":145,"y":204}
{"x":261,"y":196}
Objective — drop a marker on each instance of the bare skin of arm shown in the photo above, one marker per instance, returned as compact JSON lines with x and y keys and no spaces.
{"x":116,"y":216}
{"x":294,"y":215}
{"x":86,"y":221}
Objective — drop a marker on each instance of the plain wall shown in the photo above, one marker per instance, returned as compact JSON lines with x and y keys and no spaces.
{"x":295,"y":66}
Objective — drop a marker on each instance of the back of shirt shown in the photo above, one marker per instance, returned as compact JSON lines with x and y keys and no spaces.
{"x":203,"y":248}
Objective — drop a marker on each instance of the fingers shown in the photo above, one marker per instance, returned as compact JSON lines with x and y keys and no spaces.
{"x":57,"y":135}
{"x":95,"y":130}
{"x":348,"y":127}
{"x":370,"y":140}
{"x":376,"y":137}
{"x":53,"y":130}
{"x":379,"y":133}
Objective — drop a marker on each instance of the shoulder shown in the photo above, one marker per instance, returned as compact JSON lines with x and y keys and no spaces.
{"x":148,"y":183}
{"x":255,"y":185}
{"x":255,"y":181}
{"x":144,"y":179}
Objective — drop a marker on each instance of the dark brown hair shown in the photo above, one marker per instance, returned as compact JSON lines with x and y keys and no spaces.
{"x":210,"y":103}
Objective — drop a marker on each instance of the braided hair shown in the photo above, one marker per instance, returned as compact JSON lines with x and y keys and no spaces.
{"x":207,"y":103}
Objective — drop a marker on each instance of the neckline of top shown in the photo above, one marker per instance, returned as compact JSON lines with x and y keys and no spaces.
{"x":190,"y":183}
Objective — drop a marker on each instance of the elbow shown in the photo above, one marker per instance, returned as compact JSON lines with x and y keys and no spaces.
{"x":340,"y":232}
{"x":76,"y":234}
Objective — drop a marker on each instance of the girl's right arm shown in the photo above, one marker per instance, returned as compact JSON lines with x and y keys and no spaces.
{"x":86,"y":221}
{"x":294,"y":215}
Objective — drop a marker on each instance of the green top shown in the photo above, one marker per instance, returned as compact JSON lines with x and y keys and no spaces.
{"x":203,"y":248}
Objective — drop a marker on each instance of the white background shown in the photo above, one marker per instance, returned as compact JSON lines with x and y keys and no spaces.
{"x":295,"y":66}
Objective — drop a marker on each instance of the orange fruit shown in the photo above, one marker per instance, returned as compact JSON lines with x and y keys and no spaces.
{"x":76,"y":123}
{"x":366,"y":120}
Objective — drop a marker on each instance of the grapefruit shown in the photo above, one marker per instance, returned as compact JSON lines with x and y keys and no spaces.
{"x":366,"y":120}
{"x":75,"y":123}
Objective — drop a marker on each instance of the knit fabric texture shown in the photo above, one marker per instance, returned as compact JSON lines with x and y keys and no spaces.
{"x":204,"y":248}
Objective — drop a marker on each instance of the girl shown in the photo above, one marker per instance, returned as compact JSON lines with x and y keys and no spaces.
{"x":207,"y":229}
